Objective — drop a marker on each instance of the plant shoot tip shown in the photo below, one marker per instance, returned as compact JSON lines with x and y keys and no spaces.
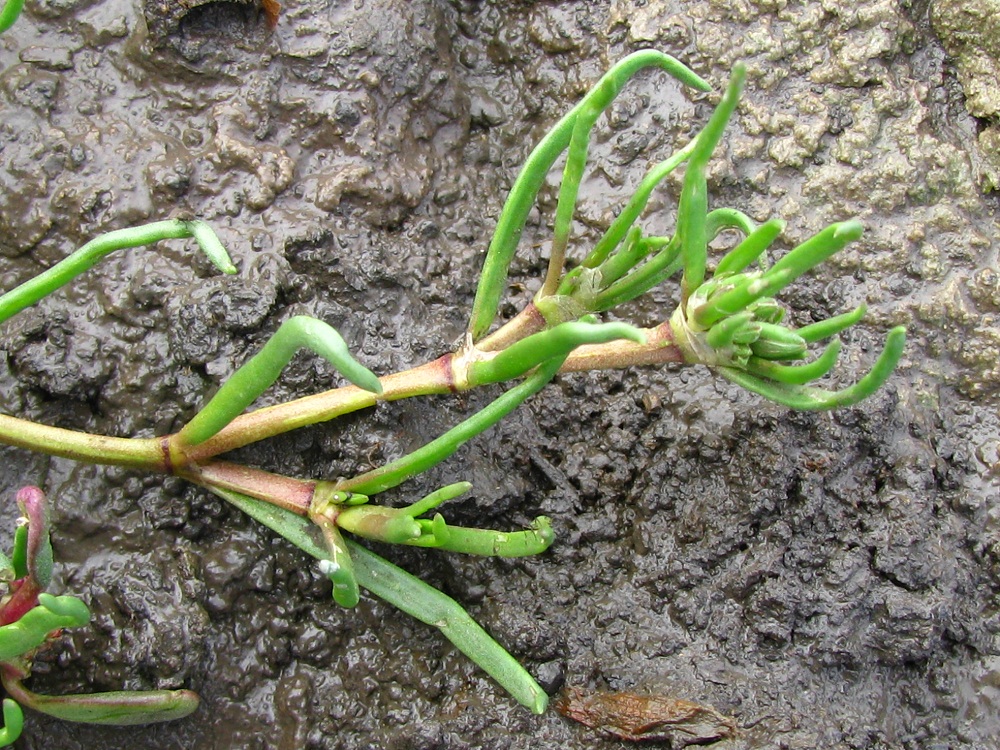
{"x":851,"y":229}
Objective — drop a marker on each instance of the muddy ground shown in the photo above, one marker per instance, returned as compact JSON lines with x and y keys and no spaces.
{"x":830,"y":580}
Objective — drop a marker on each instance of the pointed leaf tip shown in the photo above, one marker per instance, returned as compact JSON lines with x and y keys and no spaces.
{"x":852,"y":230}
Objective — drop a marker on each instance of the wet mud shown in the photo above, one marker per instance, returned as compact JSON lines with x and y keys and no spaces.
{"x":828,"y":580}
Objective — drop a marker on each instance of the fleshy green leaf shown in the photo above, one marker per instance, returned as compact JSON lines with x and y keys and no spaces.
{"x":808,"y":398}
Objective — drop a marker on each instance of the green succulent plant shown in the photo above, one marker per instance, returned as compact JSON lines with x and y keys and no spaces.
{"x":30,"y":617}
{"x":731,"y":322}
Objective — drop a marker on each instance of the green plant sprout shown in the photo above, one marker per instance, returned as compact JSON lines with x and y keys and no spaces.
{"x":29,"y":618}
{"x":729,"y":321}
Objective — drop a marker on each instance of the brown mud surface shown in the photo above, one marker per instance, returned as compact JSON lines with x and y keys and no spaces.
{"x":829,"y":580}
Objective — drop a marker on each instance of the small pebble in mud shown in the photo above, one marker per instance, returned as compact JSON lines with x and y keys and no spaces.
{"x":48,"y":58}
{"x":633,"y":717}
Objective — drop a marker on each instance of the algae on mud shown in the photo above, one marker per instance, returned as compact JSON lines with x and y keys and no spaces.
{"x":797,"y":599}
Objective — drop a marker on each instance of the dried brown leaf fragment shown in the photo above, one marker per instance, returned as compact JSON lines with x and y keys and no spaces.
{"x":634,"y":717}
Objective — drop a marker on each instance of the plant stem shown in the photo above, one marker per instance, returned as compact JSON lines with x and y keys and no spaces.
{"x":525,"y":323}
{"x":167,"y":455}
{"x":432,"y":378}
{"x":437,"y":377}
{"x":658,"y":349}
{"x":288,"y":493}
{"x":137,"y":453}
